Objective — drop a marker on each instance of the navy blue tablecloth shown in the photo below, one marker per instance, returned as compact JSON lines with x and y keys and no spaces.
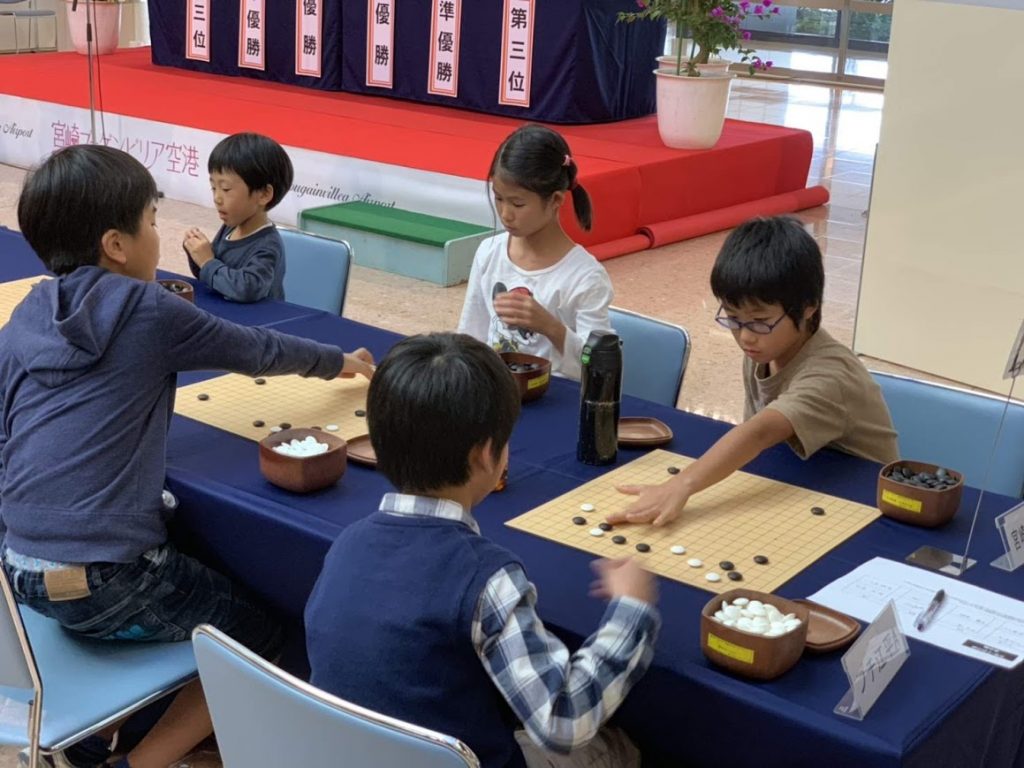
{"x":942,"y":709}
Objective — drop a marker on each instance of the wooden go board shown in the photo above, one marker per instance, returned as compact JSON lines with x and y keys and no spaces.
{"x":743,"y":517}
{"x":234,"y":402}
{"x":12,"y":293}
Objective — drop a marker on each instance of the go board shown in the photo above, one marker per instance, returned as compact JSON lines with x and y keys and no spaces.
{"x":741,"y":518}
{"x":233,"y":402}
{"x":12,"y":293}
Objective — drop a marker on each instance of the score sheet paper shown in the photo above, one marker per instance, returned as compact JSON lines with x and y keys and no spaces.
{"x":972,"y":621}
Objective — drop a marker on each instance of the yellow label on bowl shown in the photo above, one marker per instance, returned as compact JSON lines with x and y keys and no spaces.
{"x":903,"y":502}
{"x":540,"y":381}
{"x":733,"y":651}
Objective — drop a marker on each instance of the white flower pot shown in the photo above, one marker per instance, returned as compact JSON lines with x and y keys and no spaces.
{"x":106,"y":25}
{"x":691,"y":110}
{"x":713,"y":67}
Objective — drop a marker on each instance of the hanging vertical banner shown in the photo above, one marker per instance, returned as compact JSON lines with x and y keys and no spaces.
{"x":516,"y":53}
{"x":251,"y":23}
{"x":380,"y":41}
{"x":445,"y":23}
{"x":197,"y":30}
{"x":308,"y":31}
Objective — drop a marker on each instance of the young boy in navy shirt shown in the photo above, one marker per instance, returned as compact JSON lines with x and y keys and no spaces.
{"x":249,"y":175}
{"x":88,"y":365}
{"x":418,"y":616}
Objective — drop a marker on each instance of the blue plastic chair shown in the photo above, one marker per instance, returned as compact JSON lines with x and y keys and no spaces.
{"x":265,"y":718}
{"x":654,"y":356}
{"x":69,"y":687}
{"x":316,"y":270}
{"x":956,"y":428}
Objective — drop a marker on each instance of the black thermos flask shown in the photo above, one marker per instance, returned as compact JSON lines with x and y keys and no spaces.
{"x":600,"y":394}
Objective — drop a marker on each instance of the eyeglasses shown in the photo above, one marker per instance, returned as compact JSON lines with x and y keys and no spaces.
{"x":754,"y":326}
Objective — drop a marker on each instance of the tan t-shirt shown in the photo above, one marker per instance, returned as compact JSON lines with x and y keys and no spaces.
{"x":830,"y":399}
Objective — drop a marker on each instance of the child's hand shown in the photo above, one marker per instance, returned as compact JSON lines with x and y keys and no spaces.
{"x":658,"y":504}
{"x":520,"y":310}
{"x":360,"y":361}
{"x":198,"y":246}
{"x":623,"y":578}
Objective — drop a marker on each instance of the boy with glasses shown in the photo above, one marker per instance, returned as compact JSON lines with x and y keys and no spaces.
{"x":802,"y":386}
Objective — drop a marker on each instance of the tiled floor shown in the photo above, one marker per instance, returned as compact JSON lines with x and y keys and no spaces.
{"x":669,"y":282}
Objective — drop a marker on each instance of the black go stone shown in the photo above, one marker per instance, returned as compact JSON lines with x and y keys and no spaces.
{"x":203,"y":396}
{"x":317,"y":428}
{"x":725,"y":565}
{"x":579,"y":520}
{"x":760,"y":559}
{"x":285,"y":425}
{"x":817,"y":511}
{"x":258,"y":423}
{"x":260,"y":381}
{"x":360,"y":413}
{"x":605,"y":526}
{"x":619,"y":539}
{"x":735,"y":575}
{"x":641,"y":547}
{"x":673,"y":470}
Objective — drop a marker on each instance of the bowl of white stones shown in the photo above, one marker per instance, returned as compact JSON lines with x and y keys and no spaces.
{"x":754,"y":634}
{"x":303,"y":460}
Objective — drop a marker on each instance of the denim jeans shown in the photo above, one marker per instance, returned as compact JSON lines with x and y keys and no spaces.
{"x":161,"y":597}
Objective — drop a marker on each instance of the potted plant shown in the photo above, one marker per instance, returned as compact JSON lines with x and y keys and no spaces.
{"x":105,"y":16}
{"x":692,"y":96}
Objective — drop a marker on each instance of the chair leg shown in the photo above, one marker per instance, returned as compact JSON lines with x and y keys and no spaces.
{"x":35,"y":725}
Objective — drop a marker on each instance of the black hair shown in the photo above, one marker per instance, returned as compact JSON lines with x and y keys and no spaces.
{"x":75,"y":196}
{"x":774,"y":261}
{"x":432,"y":400}
{"x":258,"y":160}
{"x":537,"y":158}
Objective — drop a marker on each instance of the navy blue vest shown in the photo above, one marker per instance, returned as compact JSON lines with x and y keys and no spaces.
{"x":388,"y":627}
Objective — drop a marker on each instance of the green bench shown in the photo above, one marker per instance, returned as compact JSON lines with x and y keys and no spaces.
{"x":402,"y":242}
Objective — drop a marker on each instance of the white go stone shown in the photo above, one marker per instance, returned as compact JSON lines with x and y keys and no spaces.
{"x":587,"y":507}
{"x":720,"y":615}
{"x":729,"y":622}
{"x":275,"y":429}
{"x":331,"y":427}
{"x":596,"y":532}
{"x":740,"y":601}
{"x":678,"y":549}
{"x":693,"y":562}
{"x":712,"y":576}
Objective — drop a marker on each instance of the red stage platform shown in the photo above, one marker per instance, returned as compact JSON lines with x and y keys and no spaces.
{"x":644,"y":194}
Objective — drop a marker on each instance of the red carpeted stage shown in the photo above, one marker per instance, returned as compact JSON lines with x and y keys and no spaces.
{"x":644,"y":194}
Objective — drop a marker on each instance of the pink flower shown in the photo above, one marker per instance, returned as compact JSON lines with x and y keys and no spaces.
{"x":745,"y":5}
{"x":758,"y":10}
{"x":717,"y":11}
{"x":767,"y":64}
{"x":766,"y":3}
{"x":641,"y":3}
{"x":775,"y":9}
{"x":747,"y":34}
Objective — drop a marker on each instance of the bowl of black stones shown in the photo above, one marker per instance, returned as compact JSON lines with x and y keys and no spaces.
{"x":180,"y":288}
{"x":532,"y":374}
{"x":920,"y":494}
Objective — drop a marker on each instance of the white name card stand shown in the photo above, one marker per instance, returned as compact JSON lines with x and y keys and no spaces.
{"x":953,"y":564}
{"x":1010,"y":525}
{"x":872,"y":663}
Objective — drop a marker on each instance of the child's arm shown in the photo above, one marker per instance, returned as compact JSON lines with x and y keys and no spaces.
{"x":743,"y":443}
{"x":562,"y":699}
{"x":251,"y":281}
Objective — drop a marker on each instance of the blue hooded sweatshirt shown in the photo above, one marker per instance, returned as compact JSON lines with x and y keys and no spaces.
{"x":88,"y":365}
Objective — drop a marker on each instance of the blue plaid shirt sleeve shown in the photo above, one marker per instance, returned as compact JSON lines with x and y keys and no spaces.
{"x":562,"y":699}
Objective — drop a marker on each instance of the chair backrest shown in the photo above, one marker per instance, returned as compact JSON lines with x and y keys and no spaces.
{"x":654,"y":356}
{"x":17,"y":665}
{"x":264,"y":717}
{"x":316,"y":270}
{"x":957,"y":429}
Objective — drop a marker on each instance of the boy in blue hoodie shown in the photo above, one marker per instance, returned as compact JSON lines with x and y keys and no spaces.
{"x":88,"y":365}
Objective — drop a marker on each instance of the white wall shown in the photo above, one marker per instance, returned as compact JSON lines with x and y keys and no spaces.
{"x":134,"y":26}
{"x":943,"y":280}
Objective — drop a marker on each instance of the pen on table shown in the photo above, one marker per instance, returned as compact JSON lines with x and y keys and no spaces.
{"x":929,"y":613}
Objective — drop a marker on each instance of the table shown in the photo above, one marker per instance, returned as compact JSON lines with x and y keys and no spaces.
{"x":940,"y":712}
{"x":586,"y":67}
{"x":943,"y":709}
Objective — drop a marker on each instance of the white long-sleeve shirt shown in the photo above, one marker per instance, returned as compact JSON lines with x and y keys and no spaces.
{"x":576,"y":290}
